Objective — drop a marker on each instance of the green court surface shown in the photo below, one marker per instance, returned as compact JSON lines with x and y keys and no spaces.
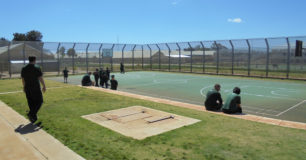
{"x":269,"y":98}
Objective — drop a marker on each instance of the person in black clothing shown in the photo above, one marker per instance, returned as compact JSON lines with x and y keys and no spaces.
{"x":31,"y":77}
{"x":100,"y":75}
{"x":114,"y":83}
{"x":86,"y":81}
{"x":213,"y":100}
{"x":96,"y":75}
{"x":107,"y":74}
{"x":122,"y":68}
{"x":104,"y":80}
{"x":65,"y":73}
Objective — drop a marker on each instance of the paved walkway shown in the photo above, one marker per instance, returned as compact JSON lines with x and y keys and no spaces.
{"x":19,"y":139}
{"x":250,"y":117}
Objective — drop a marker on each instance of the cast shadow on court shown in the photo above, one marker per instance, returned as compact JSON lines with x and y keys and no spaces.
{"x":29,"y":128}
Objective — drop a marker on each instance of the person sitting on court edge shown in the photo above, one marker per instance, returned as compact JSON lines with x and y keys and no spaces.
{"x":233,"y":102}
{"x":114,"y":83}
{"x":213,"y":100}
{"x":86,"y":81}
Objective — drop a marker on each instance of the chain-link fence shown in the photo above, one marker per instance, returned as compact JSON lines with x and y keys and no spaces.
{"x":263,"y":57}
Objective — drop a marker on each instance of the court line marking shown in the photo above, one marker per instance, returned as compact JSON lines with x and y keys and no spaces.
{"x":262,"y":109}
{"x":291,"y":108}
{"x":22,"y":91}
{"x":263,"y":113}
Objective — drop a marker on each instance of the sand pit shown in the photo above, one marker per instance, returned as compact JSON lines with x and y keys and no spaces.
{"x":139,"y":122}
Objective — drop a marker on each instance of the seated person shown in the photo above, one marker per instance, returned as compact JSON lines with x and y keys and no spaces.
{"x":114,"y":83}
{"x":86,"y":81}
{"x":233,"y":102}
{"x":213,"y":100}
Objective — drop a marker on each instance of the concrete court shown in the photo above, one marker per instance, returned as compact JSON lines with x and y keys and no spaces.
{"x":21,"y":140}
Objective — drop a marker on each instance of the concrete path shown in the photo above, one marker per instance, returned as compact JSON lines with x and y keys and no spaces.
{"x":21,"y":140}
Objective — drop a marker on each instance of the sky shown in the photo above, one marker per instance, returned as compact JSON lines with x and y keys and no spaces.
{"x":152,"y":21}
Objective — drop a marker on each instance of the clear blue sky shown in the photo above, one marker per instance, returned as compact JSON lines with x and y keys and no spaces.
{"x":152,"y":21}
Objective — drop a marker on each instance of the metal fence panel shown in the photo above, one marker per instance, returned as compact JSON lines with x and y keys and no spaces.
{"x":146,"y":57}
{"x":278,"y":57}
{"x":265,"y":57}
{"x":185,"y":57}
{"x":240,"y":57}
{"x":138,"y":57}
{"x":297,"y":64}
{"x":155,"y":56}
{"x":93,"y":57}
{"x":210,"y":57}
{"x":4,"y":59}
{"x":258,"y":57}
{"x":225,"y":57}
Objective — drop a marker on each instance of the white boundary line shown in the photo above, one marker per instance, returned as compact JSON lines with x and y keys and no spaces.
{"x":22,"y":91}
{"x":291,"y":108}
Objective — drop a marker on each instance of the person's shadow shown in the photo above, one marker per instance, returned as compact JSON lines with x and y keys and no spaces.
{"x":29,"y":128}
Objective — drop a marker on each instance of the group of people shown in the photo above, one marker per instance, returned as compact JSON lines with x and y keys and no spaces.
{"x":214,"y":101}
{"x":103,"y":76}
{"x":32,"y":78}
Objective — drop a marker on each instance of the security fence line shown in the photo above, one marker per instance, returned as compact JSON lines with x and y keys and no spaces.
{"x":262,"y":57}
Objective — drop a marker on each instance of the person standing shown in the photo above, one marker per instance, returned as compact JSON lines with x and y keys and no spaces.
{"x":100,"y":75}
{"x":104,"y":80}
{"x":107,"y":74}
{"x":122,"y":68}
{"x":114,"y":83}
{"x":233,"y":102}
{"x":32,"y":77}
{"x":96,"y":75}
{"x":213,"y":100}
{"x":65,"y":73}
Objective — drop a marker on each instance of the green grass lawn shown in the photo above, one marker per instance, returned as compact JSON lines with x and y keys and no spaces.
{"x":215,"y":137}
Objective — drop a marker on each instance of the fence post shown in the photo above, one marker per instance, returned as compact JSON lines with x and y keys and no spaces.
{"x":23,"y":53}
{"x":203,"y":56}
{"x":249,"y":57}
{"x":169,"y":52}
{"x":58,"y":58}
{"x":190,"y":56}
{"x":42,"y":56}
{"x":122,"y":56}
{"x":73,"y":60}
{"x":268,"y":57}
{"x":133,"y":56}
{"x":217,"y":56}
{"x":100,"y":55}
{"x":179,"y":56}
{"x":288,"y":58}
{"x":150,"y":56}
{"x":158,"y":56}
{"x":9,"y":59}
{"x":233,"y":55}
{"x":142,"y":57}
{"x":87,"y":57}
{"x":111,"y":57}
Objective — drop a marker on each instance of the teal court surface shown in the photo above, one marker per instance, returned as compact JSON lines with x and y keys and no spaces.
{"x":279,"y":99}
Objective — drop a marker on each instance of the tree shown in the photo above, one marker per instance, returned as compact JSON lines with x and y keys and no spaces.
{"x":71,"y":52}
{"x":19,"y":37}
{"x":34,"y":36}
{"x":61,"y":52}
{"x":219,"y":45}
